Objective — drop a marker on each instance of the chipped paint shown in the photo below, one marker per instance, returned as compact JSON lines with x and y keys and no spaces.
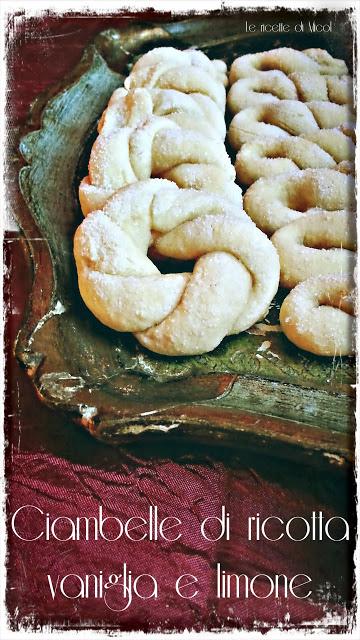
{"x":137,"y":429}
{"x":60,"y":385}
{"x":57,"y":310}
{"x":264,"y":346}
{"x":87,"y":412}
{"x":261,"y":329}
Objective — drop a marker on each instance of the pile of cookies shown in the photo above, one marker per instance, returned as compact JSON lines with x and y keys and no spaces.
{"x":294,"y":131}
{"x":161,"y":184}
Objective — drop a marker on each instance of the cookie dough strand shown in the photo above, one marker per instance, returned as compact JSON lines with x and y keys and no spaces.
{"x":217,"y":292}
{"x":245,"y":242}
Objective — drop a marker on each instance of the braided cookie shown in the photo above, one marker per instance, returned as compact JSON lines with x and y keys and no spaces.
{"x":315,"y":121}
{"x":274,"y":202}
{"x":194,"y":111}
{"x":293,"y":109}
{"x":271,"y":86}
{"x":170,"y":124}
{"x":268,"y":157}
{"x":154,"y":146}
{"x":318,"y":315}
{"x":187,"y":71}
{"x":286,"y":60}
{"x":287,"y":117}
{"x":320,"y":243}
{"x":154,"y":149}
{"x":234,"y":279}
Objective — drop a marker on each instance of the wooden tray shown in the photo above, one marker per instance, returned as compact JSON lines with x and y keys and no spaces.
{"x":280,"y":398}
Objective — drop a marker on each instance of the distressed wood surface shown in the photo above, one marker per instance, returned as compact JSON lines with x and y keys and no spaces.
{"x":280,"y":397}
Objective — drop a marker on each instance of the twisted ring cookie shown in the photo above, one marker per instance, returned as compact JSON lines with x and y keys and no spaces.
{"x":187,"y":71}
{"x":318,"y":315}
{"x":322,"y":242}
{"x":156,"y":130}
{"x":286,"y":60}
{"x":273,"y":202}
{"x":234,"y":279}
{"x":268,"y":157}
{"x":194,"y":111}
{"x":293,"y":109}
{"x":271,"y":86}
{"x":285,"y":118}
{"x":158,"y":148}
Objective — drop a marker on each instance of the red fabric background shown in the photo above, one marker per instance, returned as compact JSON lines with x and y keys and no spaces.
{"x":54,"y":465}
